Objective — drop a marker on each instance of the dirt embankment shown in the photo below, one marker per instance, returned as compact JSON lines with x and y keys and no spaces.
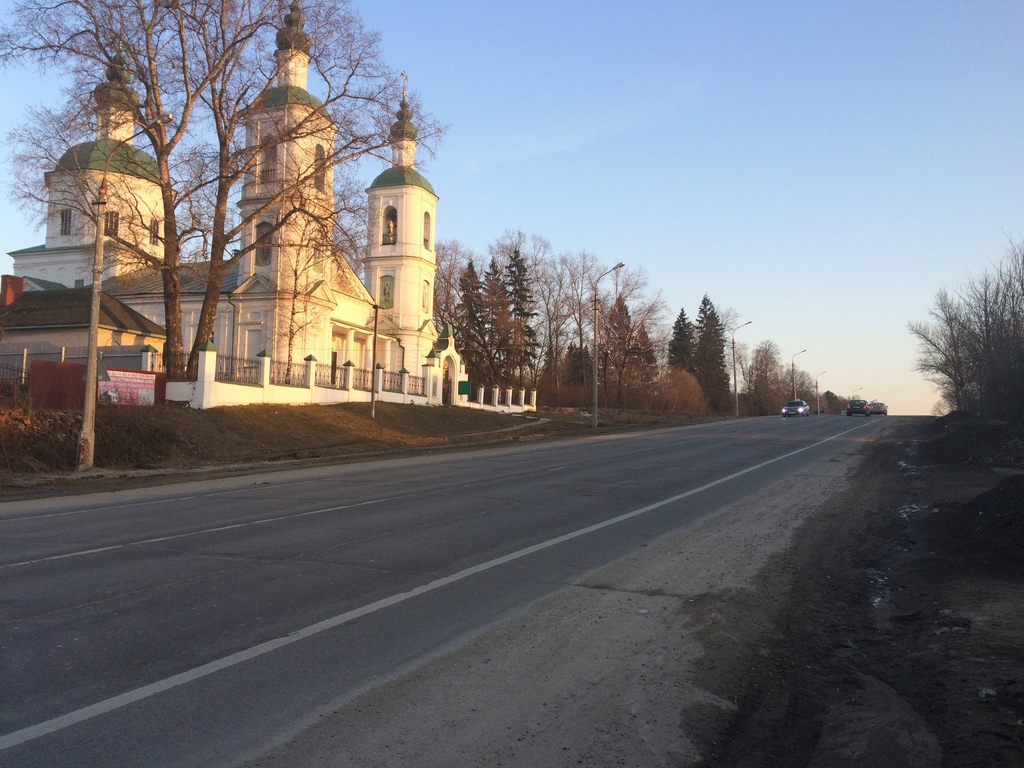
{"x":899,"y":643}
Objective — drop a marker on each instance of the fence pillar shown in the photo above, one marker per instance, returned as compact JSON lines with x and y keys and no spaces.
{"x":264,"y":360}
{"x":346,"y":374}
{"x":206,"y":374}
{"x":310,"y":370}
{"x":428,"y":383}
{"x":521,"y":397}
{"x":494,"y":396}
{"x":405,"y":381}
{"x":149,"y":354}
{"x":533,"y":399}
{"x":508,"y":397}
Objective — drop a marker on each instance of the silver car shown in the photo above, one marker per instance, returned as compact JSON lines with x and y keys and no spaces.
{"x":796,"y":408}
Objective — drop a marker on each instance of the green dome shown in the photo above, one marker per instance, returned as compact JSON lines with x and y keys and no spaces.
{"x":290,"y":94}
{"x":292,"y":36}
{"x":115,"y":91}
{"x":396,"y":176}
{"x":107,"y":155}
{"x":403,"y":127}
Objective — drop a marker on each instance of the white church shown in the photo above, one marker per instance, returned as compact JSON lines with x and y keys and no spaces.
{"x":291,"y":319}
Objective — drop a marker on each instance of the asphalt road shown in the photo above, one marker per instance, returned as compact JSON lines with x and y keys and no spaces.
{"x":201,"y":623}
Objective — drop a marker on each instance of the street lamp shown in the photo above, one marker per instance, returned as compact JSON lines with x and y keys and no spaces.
{"x":735,"y":383}
{"x":620,"y":265}
{"x":373,"y":366}
{"x":87,"y":437}
{"x":817,"y":400}
{"x":792,"y":371}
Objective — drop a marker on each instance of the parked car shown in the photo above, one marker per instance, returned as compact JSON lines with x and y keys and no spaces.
{"x":796,"y":408}
{"x":876,"y":407}
{"x":858,"y":406}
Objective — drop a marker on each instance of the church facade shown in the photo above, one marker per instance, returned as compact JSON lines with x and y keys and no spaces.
{"x":287,"y":303}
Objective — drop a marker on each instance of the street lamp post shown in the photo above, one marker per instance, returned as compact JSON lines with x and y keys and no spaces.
{"x":735,"y":383}
{"x":87,"y":437}
{"x":620,"y":265}
{"x":817,"y":400}
{"x":373,"y":365}
{"x":792,"y":371}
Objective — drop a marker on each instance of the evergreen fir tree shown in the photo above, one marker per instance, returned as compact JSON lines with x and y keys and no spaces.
{"x":681,"y":346}
{"x":522,"y":353}
{"x":709,"y":356}
{"x":469,"y":322}
{"x":497,"y":325}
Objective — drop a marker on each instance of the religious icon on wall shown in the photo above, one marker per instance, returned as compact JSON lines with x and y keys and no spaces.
{"x":387,"y":292}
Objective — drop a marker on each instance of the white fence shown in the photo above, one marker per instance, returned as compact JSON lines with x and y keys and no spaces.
{"x":230,"y":381}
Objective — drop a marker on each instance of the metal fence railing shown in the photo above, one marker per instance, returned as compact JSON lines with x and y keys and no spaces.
{"x":177,"y":362}
{"x":288,"y":374}
{"x":238,"y":370}
{"x":12,"y":375}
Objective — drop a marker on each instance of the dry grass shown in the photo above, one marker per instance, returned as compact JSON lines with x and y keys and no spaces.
{"x":36,"y":442}
{"x":170,"y":437}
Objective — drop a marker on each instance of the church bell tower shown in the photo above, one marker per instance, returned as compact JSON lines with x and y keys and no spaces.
{"x":400,"y":264}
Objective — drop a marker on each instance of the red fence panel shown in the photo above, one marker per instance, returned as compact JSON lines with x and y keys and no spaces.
{"x":61,"y":386}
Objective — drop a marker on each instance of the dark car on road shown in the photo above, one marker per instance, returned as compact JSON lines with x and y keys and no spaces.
{"x":878,"y":407}
{"x":858,"y":406}
{"x":796,"y":408}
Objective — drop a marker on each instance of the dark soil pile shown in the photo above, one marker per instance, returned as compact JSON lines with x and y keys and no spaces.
{"x":987,"y":531}
{"x":960,"y":438}
{"x":900,"y":642}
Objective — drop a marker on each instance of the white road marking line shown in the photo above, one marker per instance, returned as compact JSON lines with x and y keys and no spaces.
{"x":161,"y":539}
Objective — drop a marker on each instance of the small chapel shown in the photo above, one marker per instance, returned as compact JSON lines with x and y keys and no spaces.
{"x":287,"y":298}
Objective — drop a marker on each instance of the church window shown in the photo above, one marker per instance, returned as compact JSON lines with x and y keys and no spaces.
{"x":79,"y":282}
{"x":268,"y":170}
{"x":66,"y":219}
{"x":110,"y":223}
{"x":390,"y":235}
{"x":320,"y":169}
{"x":263,"y":244}
{"x":154,"y":232}
{"x":426,"y":230}
{"x":426,"y":295}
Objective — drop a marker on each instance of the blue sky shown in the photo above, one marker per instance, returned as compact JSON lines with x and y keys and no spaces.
{"x":821,"y":168}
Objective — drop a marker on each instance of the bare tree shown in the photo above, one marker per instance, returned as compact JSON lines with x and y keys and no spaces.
{"x":451,"y":258}
{"x":581,"y":270}
{"x":944,"y":351}
{"x":553,"y":322}
{"x":972,"y":349}
{"x":766,"y":383}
